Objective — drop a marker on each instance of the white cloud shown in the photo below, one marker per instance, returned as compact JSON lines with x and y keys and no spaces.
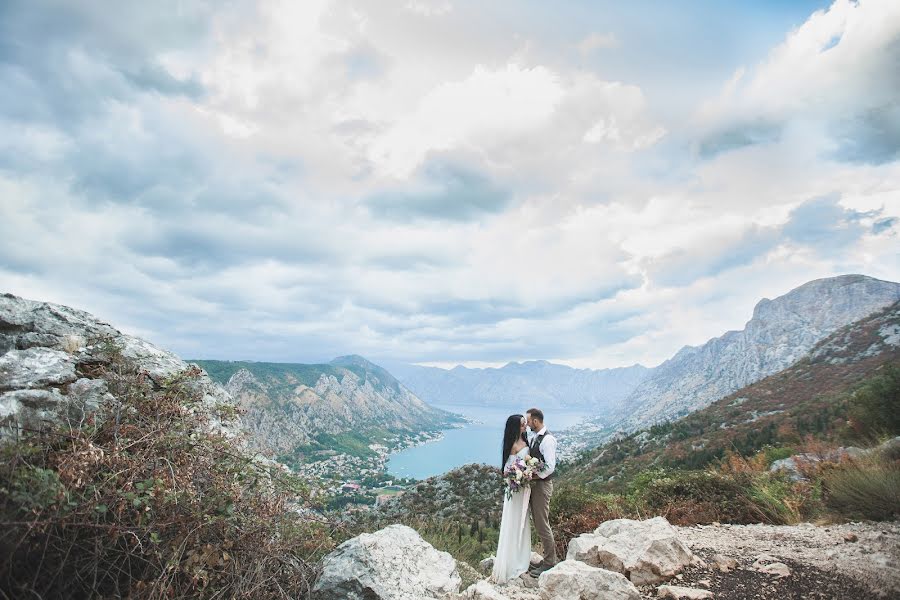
{"x":239,"y":221}
{"x":833,"y":70}
{"x":489,"y":105}
{"x":429,"y":8}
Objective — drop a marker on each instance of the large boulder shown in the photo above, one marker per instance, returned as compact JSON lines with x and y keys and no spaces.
{"x":394,"y":563}
{"x":50,"y":357}
{"x":647,"y":552}
{"x":575,"y":580}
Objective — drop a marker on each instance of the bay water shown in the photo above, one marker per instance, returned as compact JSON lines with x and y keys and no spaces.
{"x":475,"y":443}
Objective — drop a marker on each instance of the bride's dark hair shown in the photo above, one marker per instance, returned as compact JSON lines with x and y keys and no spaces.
{"x":512,"y":433}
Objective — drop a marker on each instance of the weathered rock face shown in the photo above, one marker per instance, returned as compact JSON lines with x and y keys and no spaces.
{"x":647,"y":552}
{"x":47,"y":355}
{"x":574,"y":580}
{"x":781,"y":332}
{"x":288,"y":405}
{"x":394,"y":563}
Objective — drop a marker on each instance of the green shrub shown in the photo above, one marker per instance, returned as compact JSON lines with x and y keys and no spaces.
{"x":689,"y":497}
{"x":783,"y":502}
{"x":771,"y":454}
{"x":868,"y":489}
{"x":875,"y":406}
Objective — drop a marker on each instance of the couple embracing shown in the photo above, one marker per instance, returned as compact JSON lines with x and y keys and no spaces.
{"x":524,"y":437}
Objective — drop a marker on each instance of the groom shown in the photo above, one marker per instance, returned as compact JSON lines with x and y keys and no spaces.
{"x":542,"y":445}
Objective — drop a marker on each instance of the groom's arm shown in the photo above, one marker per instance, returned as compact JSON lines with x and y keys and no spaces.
{"x":548,"y":449}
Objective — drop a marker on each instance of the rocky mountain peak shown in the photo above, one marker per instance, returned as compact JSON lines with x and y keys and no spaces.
{"x":353,"y":360}
{"x":833,"y":295}
{"x":781,"y":332}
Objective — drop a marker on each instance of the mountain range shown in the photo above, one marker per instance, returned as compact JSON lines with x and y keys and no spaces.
{"x":533,"y":383}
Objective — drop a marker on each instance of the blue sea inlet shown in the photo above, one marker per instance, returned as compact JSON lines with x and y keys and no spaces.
{"x":476,"y":443}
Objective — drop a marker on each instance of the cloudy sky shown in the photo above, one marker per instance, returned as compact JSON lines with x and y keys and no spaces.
{"x":589,"y":182}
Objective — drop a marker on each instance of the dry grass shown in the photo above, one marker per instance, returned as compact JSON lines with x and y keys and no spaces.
{"x":866,"y":489}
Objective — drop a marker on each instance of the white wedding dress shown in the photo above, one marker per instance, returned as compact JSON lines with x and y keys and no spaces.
{"x":514,"y":547}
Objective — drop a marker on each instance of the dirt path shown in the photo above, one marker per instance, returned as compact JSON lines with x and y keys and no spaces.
{"x":855,"y":560}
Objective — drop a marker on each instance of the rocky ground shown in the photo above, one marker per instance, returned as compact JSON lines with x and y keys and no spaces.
{"x":849,"y":561}
{"x":626,"y":559}
{"x":852,"y":561}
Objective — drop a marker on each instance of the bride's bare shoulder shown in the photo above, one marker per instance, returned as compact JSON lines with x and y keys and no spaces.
{"x":517,"y":447}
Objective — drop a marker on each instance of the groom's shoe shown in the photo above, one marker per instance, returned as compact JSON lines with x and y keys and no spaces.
{"x":536,"y":570}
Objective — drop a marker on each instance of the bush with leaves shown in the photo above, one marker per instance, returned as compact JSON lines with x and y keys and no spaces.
{"x":151,"y":498}
{"x":875,"y":406}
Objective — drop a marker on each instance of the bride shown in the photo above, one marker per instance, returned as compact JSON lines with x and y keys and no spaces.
{"x":514,"y":547}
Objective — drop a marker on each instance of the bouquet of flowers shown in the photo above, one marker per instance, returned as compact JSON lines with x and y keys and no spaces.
{"x":519,"y":474}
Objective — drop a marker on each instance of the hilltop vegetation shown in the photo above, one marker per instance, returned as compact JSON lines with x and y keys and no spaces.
{"x":291,"y":374}
{"x":150,"y":497}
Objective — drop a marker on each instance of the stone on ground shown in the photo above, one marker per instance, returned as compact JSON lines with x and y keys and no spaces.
{"x":766,"y":563}
{"x":647,"y":552}
{"x":394,"y":563}
{"x":723,"y":563}
{"x":485,"y":590}
{"x":677,"y":593}
{"x":575,"y":580}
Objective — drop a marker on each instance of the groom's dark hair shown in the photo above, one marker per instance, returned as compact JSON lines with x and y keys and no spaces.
{"x":536,"y":413}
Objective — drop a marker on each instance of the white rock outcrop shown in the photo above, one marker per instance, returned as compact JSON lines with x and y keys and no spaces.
{"x":394,"y":563}
{"x":36,"y":367}
{"x":49,"y":354}
{"x":575,"y":580}
{"x":647,"y":552}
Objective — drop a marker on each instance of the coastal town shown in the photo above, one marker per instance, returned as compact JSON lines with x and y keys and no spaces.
{"x":341,"y":479}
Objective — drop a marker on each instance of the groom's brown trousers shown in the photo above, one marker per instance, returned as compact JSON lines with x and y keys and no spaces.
{"x":541,"y":490}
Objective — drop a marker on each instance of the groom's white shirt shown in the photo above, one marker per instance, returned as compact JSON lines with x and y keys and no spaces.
{"x":548,"y":449}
